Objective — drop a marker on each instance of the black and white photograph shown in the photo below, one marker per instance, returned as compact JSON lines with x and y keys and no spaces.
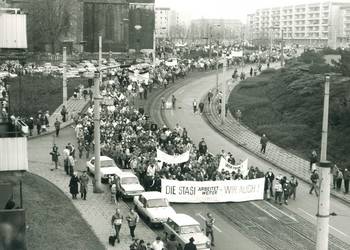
{"x":174,"y":124}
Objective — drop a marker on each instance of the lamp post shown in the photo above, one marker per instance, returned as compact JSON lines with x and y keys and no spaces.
{"x":138,"y":28}
{"x":64,"y":76}
{"x":97,"y":137}
{"x":324,"y":198}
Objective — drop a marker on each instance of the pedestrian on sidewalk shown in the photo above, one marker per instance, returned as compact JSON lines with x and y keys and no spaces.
{"x":194,"y":105}
{"x":314,"y":179}
{"x":158,"y":244}
{"x":54,"y":156}
{"x":64,"y":113}
{"x":339,"y":180}
{"x":313,"y":159}
{"x":238,"y":115}
{"x":293,"y":187}
{"x":73,"y":185}
{"x":117,"y":221}
{"x":251,"y":71}
{"x":263,"y":142}
{"x":335,"y":173}
{"x":209,"y":227}
{"x":66,"y":153}
{"x":286,"y":191}
{"x":71,"y":164}
{"x":346,"y":177}
{"x":172,"y":243}
{"x":278,"y":191}
{"x":132,"y":219}
{"x":31,"y":126}
{"x":57,"y":125}
{"x":84,"y":182}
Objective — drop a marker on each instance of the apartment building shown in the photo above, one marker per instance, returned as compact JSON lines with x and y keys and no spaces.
{"x":314,"y":24}
{"x":162,"y":22}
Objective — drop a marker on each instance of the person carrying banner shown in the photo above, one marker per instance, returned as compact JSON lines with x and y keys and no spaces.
{"x":117,"y":220}
{"x":209,"y":226}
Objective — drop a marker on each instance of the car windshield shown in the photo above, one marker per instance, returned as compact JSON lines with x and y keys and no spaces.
{"x":107,"y":164}
{"x":190,"y":229}
{"x":157,"y":203}
{"x":129,"y":180}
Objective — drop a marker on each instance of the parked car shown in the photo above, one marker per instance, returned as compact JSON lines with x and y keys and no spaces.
{"x":184,"y":227}
{"x":107,"y":165}
{"x":154,"y":207}
{"x":129,"y":184}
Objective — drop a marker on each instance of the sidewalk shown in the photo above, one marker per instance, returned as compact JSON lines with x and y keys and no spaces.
{"x":97,"y":210}
{"x":247,"y":139}
{"x":73,"y":106}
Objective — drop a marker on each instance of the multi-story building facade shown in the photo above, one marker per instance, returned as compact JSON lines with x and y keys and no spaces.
{"x":162,"y":22}
{"x":215,"y":29}
{"x":314,"y":24}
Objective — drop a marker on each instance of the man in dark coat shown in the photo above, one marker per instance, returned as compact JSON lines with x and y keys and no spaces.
{"x":84,"y":182}
{"x":54,"y":155}
{"x":30,"y":126}
{"x":73,"y":185}
{"x":190,"y":245}
{"x":57,"y":127}
{"x":202,"y":147}
{"x":263,"y":142}
{"x":269,"y":177}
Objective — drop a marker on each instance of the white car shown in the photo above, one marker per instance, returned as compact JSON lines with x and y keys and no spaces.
{"x":184,"y":227}
{"x":107,"y":166}
{"x":171,"y":62}
{"x":154,"y":207}
{"x":129,"y":184}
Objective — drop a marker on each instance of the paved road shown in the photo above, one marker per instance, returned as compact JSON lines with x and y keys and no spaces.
{"x":299,"y":215}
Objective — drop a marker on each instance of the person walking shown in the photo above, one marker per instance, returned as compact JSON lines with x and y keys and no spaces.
{"x":313,"y":159}
{"x":71,"y":164}
{"x":238,"y":115}
{"x":293,"y":187}
{"x":314,"y":179}
{"x":66,"y":153}
{"x":194,"y":105}
{"x":339,"y":180}
{"x":172,"y":243}
{"x":210,"y":96}
{"x":209,"y":227}
{"x":31,"y":126}
{"x":173,"y":101}
{"x":158,"y":244}
{"x":201,"y":107}
{"x":54,"y":156}
{"x":263,"y":143}
{"x":190,"y":245}
{"x":132,"y":219}
{"x":84,"y":182}
{"x":64,"y":113}
{"x":269,"y":177}
{"x":73,"y":185}
{"x":117,"y":221}
{"x":286,"y":191}
{"x":278,"y":191}
{"x":57,"y":125}
{"x":346,"y":177}
{"x":335,"y":172}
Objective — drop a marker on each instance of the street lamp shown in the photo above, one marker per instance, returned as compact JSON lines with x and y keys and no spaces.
{"x":138,"y":28}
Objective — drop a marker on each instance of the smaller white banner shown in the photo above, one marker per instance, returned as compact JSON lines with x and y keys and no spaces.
{"x":213,"y":191}
{"x":225,"y":165}
{"x":172,"y":159}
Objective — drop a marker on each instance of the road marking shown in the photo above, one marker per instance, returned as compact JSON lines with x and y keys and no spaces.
{"x":203,"y":218}
{"x":181,"y":91}
{"x":314,"y":217}
{"x":256,"y":205}
{"x":289,"y":216}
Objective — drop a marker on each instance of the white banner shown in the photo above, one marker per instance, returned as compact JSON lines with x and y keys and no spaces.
{"x":213,"y":191}
{"x":229,"y":167}
{"x":236,"y":54}
{"x":172,"y":159}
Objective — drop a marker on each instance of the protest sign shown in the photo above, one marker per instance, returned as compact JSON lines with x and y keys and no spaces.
{"x":225,"y":165}
{"x":172,"y":159}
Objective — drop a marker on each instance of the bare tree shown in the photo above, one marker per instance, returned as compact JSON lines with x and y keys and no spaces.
{"x":48,"y":21}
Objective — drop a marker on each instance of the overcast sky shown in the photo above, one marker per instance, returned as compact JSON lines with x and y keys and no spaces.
{"x":235,"y":9}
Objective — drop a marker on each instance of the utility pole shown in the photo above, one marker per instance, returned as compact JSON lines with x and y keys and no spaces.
{"x":64,"y":76}
{"x":325,"y":179}
{"x":97,"y":139}
{"x":282,"y":48}
{"x":242,"y":51}
{"x":209,"y":41}
{"x":223,"y":99}
{"x":154,"y":47}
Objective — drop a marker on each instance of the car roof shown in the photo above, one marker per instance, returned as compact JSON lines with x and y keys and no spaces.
{"x":153,"y":195}
{"x":126,"y":174}
{"x":183,"y":219}
{"x":102,"y":158}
